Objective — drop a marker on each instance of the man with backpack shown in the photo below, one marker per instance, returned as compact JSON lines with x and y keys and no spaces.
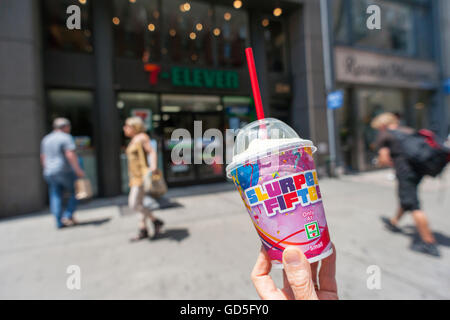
{"x":413,"y":155}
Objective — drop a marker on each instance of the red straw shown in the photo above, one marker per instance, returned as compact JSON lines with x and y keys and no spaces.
{"x":255,"y":85}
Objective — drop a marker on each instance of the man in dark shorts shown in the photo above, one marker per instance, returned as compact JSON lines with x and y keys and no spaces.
{"x":390,"y":153}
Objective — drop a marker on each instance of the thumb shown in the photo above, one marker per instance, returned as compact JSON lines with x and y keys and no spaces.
{"x":298,"y":273}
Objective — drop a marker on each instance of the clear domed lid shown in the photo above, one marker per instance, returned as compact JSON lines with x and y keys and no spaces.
{"x":261,"y":137}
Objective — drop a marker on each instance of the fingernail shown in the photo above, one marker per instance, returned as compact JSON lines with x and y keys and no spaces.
{"x":292,"y":256}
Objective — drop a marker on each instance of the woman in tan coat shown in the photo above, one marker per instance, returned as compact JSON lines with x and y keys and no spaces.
{"x":137,"y":151}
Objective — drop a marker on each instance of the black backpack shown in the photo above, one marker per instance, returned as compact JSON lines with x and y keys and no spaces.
{"x":426,"y":152}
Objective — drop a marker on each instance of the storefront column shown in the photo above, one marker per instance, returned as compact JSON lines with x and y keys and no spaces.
{"x":106,"y":117}
{"x":309,"y":112}
{"x":22,"y":188}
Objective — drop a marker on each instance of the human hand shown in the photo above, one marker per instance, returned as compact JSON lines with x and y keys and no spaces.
{"x":299,"y":277}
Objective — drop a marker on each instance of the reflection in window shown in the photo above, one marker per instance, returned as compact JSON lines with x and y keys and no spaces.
{"x":275,"y":44}
{"x":231,"y":33}
{"x":187,"y":32}
{"x":396,"y":33}
{"x":58,"y":36}
{"x":137,"y":29}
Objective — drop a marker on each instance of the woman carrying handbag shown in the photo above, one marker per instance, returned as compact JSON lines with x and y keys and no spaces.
{"x":139,"y":145}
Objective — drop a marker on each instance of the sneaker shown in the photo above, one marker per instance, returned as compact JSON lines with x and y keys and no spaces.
{"x":427,"y":248}
{"x":69,"y":222}
{"x":389,"y":225}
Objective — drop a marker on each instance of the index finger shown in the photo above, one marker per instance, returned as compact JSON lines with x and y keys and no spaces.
{"x":263,"y":282}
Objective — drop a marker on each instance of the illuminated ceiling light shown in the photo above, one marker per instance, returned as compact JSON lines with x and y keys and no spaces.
{"x":182,"y":8}
{"x":227,"y":16}
{"x":277,"y":12}
{"x":186,"y":6}
{"x":172,"y":32}
{"x":216,"y":32}
{"x":82,"y":1}
{"x":192,"y":35}
{"x":132,"y":1}
{"x":199,"y":27}
{"x":265,"y":22}
{"x":237,"y":4}
{"x":151,"y":27}
{"x":116,"y":21}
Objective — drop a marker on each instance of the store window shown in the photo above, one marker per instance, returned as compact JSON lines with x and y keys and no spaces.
{"x":187,"y":32}
{"x":231,"y":33}
{"x":77,"y":106}
{"x":397,"y":32}
{"x":137,"y":29}
{"x":275,"y":44}
{"x":144,"y":105}
{"x":57,"y":35}
{"x":371,"y":103}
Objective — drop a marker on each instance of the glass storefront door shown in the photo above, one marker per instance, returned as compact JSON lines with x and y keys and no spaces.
{"x":181,"y":112}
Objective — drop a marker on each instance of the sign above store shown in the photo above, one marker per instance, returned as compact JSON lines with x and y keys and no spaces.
{"x":193,"y":77}
{"x":362,"y":67}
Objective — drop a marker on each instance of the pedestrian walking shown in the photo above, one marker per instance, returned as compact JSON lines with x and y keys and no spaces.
{"x":140,"y":145}
{"x":61,"y":169}
{"x":412,"y":158}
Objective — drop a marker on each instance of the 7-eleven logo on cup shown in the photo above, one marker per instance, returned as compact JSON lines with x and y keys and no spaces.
{"x":312,"y":230}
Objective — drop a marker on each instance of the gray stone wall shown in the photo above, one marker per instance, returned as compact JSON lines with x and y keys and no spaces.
{"x":21,"y":108}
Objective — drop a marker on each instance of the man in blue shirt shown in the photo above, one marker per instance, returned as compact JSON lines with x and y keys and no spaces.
{"x":61,"y":169}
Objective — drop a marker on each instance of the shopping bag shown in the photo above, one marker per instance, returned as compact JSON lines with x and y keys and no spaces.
{"x":83,"y":189}
{"x":154,"y":184}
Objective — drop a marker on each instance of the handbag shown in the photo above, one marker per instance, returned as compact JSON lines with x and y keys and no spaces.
{"x":153,"y":182}
{"x":83,"y":189}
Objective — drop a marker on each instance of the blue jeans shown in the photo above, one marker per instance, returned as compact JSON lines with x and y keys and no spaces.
{"x":58,"y":185}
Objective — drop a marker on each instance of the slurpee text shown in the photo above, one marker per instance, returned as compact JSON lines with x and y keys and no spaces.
{"x":283,"y":194}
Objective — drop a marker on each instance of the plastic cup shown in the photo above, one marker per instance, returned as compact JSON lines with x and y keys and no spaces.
{"x":274,"y":172}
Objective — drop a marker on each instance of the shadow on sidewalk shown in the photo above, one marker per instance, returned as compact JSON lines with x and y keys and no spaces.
{"x":441,"y":239}
{"x":97,"y":222}
{"x":411,"y":231}
{"x":178,"y":235}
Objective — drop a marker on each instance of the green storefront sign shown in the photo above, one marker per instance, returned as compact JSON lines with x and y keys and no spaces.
{"x":203,"y":78}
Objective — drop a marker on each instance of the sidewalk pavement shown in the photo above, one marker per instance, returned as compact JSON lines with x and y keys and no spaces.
{"x":210,"y":247}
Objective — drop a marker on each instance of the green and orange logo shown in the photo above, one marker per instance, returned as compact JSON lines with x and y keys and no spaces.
{"x":193,"y":77}
{"x":312,"y":230}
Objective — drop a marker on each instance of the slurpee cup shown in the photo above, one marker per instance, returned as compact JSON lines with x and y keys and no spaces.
{"x":274,"y":172}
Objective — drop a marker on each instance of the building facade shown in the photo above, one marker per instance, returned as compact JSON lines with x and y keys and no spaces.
{"x":396,"y":68}
{"x":171,"y":62}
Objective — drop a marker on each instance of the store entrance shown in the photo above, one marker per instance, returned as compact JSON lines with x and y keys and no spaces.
{"x":183,"y":112}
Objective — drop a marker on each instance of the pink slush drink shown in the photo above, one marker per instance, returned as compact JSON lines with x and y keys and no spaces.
{"x":274,"y":172}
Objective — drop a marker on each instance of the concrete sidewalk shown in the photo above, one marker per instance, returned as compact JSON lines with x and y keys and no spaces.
{"x":210,"y":247}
